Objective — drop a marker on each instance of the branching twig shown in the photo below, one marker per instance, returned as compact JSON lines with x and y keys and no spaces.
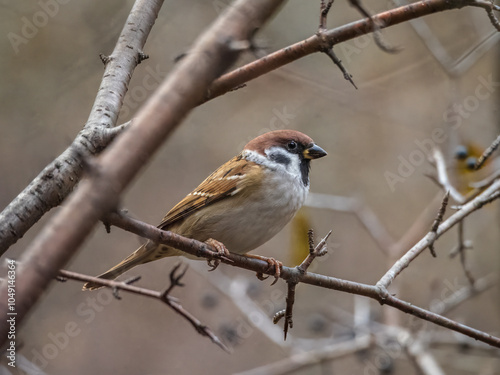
{"x":487,"y":153}
{"x":377,"y":292}
{"x":328,"y":47}
{"x":489,"y":7}
{"x":314,"y":251}
{"x":316,"y":43}
{"x":454,"y":219}
{"x":163,"y":296}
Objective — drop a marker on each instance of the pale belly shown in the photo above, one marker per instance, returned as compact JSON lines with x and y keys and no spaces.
{"x":244,"y":227}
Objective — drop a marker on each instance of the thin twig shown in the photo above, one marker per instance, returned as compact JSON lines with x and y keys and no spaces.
{"x":461,"y":251}
{"x":328,"y":47}
{"x":305,"y":359}
{"x":314,"y":251}
{"x":377,"y":34}
{"x":437,"y":221}
{"x":466,"y":209}
{"x":486,"y":181}
{"x":290,"y":300}
{"x":324,"y":9}
{"x":466,"y":293}
{"x":442,"y":176}
{"x":348,"y":76}
{"x":487,"y":153}
{"x":489,"y":7}
{"x":162,"y":296}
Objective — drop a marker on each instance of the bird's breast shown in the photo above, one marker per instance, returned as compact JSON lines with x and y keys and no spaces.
{"x":244,"y":222}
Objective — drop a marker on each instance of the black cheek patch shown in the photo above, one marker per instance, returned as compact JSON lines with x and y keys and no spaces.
{"x":281,"y":159}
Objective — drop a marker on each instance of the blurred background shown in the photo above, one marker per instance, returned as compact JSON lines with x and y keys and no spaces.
{"x":440,"y":90}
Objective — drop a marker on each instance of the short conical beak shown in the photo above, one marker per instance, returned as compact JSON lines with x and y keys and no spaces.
{"x":314,"y":152}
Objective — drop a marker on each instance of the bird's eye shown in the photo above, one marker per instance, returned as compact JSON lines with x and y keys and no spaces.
{"x":292,"y":145}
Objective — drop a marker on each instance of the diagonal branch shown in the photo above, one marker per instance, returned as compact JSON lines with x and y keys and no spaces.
{"x":57,"y":180}
{"x":487,"y":153}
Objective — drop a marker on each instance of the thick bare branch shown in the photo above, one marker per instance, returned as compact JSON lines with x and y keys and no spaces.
{"x":58,"y":179}
{"x":327,"y":39}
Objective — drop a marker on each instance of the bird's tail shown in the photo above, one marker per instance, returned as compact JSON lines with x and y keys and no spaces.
{"x":140,"y":256}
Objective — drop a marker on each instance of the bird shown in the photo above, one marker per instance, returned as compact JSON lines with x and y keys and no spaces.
{"x":242,"y":204}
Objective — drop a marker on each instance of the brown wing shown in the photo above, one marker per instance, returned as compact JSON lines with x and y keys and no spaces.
{"x":222,"y":183}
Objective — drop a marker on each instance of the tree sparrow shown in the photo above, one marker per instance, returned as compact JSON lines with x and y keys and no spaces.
{"x":241,"y":205}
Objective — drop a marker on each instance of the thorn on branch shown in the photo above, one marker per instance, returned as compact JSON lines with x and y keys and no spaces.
{"x":129,"y":281}
{"x":437,"y":221}
{"x":487,"y":153}
{"x":377,"y":34}
{"x":107,"y":226}
{"x":105,"y":59}
{"x":277,"y":317}
{"x":141,"y":56}
{"x":179,"y":57}
{"x":240,"y":45}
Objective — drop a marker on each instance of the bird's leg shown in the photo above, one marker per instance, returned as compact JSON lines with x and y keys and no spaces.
{"x":272,"y":263}
{"x":221,"y":250}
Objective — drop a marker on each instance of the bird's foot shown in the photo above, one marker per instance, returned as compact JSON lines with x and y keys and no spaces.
{"x":221,"y":251}
{"x":272,"y":263}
